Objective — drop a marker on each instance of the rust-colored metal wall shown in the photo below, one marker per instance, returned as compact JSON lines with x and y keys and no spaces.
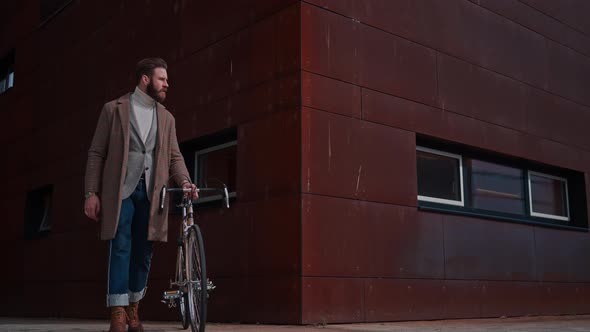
{"x":506,"y":76}
{"x":327,"y":97}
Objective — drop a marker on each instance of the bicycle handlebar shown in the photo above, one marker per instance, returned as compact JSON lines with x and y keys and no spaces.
{"x":223,"y":191}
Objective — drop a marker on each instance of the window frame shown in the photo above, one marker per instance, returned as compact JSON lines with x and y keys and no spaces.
{"x":530,"y":197}
{"x":460,"y":203}
{"x":217,"y":147}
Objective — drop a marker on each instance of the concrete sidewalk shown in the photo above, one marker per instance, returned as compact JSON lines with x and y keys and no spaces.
{"x":522,"y":324}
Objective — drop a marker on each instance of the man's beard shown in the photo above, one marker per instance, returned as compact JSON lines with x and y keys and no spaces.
{"x":152,"y":92}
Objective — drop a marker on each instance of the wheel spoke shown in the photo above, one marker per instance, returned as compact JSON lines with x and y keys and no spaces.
{"x":196,"y":277}
{"x":182,"y":302}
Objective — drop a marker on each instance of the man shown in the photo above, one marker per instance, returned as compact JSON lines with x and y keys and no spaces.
{"x":134,"y":152}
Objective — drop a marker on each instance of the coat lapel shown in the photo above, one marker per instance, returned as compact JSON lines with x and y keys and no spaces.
{"x":160,"y":117}
{"x":124,"y":111}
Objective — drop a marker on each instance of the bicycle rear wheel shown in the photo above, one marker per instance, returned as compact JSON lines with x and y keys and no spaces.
{"x":197,"y":277}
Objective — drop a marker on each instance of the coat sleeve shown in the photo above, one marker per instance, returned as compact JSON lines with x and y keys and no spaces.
{"x":178,"y":169}
{"x":97,"y":153}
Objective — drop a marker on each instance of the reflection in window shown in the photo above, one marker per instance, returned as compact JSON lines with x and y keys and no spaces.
{"x":440,"y":178}
{"x":548,"y":196}
{"x":495,"y":187}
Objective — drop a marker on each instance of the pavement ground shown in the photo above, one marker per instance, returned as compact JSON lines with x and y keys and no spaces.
{"x":576,"y":323}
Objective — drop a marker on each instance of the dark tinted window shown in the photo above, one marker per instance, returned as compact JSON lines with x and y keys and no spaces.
{"x":38,"y":212}
{"x":212,"y":161}
{"x":217,"y":163}
{"x":459,"y":179}
{"x":495,"y":187}
{"x":439,"y":176}
{"x":548,"y":196}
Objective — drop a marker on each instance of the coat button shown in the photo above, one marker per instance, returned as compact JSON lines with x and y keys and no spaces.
{"x":143,"y":151}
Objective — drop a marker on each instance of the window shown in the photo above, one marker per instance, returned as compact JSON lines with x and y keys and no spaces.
{"x":38,"y":212}
{"x":548,"y":196}
{"x":216,"y":164}
{"x":495,"y":187}
{"x":441,"y":179}
{"x":458,"y":179}
{"x":7,"y":72}
{"x":211,"y":160}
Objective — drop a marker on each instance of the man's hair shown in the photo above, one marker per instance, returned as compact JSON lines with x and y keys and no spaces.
{"x":147,"y":66}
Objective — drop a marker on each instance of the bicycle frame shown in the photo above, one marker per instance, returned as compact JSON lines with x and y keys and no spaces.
{"x":187,"y":222}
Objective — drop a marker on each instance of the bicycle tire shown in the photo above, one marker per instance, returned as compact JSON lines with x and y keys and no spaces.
{"x":197,"y":277}
{"x":182,"y":302}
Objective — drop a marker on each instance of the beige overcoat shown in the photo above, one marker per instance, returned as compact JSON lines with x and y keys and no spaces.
{"x":107,"y":165}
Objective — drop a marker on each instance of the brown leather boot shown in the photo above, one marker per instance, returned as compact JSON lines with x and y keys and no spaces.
{"x":133,"y":314}
{"x":118,"y":319}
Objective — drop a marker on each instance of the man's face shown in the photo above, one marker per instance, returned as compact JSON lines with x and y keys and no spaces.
{"x":158,"y":85}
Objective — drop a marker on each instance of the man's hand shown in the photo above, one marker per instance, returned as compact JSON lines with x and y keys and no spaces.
{"x":92,"y":207}
{"x":193,"y":193}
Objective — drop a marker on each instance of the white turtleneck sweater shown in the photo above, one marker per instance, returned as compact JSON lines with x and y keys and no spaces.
{"x":143,"y":107}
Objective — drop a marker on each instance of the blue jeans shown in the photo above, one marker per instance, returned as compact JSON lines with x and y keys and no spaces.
{"x":130,"y":252}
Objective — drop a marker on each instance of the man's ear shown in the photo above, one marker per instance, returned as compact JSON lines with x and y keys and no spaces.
{"x":145,"y":79}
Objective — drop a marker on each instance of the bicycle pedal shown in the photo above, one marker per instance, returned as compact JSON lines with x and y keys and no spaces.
{"x":172,"y":295}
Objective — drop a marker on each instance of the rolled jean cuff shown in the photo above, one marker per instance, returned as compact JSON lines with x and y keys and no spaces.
{"x":117,"y":300}
{"x":136,"y":296}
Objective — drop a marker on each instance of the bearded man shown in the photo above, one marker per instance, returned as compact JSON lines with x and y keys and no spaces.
{"x":134,"y":152}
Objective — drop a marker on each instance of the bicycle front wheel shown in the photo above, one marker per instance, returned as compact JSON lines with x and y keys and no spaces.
{"x":182,"y":302}
{"x":197,"y":279}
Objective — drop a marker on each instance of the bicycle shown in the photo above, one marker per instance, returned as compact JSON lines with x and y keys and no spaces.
{"x":190,"y":287}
